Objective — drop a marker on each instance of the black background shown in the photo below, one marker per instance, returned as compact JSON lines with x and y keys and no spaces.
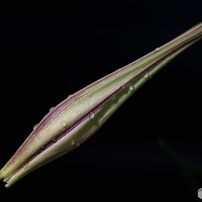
{"x":52,"y":49}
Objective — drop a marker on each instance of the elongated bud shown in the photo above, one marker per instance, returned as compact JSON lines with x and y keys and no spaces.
{"x":74,"y":120}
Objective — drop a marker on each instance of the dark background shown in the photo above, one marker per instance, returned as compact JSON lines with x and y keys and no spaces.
{"x":52,"y":49}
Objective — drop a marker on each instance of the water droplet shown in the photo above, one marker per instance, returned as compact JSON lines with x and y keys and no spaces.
{"x":130,"y":87}
{"x":92,"y":115}
{"x":35,"y":126}
{"x":51,"y":109}
{"x":157,"y":49}
{"x":64,"y":124}
{"x":72,"y":142}
{"x":146,"y":75}
{"x":81,"y":100}
{"x":69,"y":96}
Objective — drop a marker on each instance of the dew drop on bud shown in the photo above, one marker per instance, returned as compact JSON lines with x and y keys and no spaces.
{"x":157,"y":49}
{"x":92,"y":115}
{"x":35,"y":126}
{"x":51,"y":109}
{"x":64,"y":124}
{"x":146,"y":75}
{"x":130,"y":87}
{"x":69,"y":96}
